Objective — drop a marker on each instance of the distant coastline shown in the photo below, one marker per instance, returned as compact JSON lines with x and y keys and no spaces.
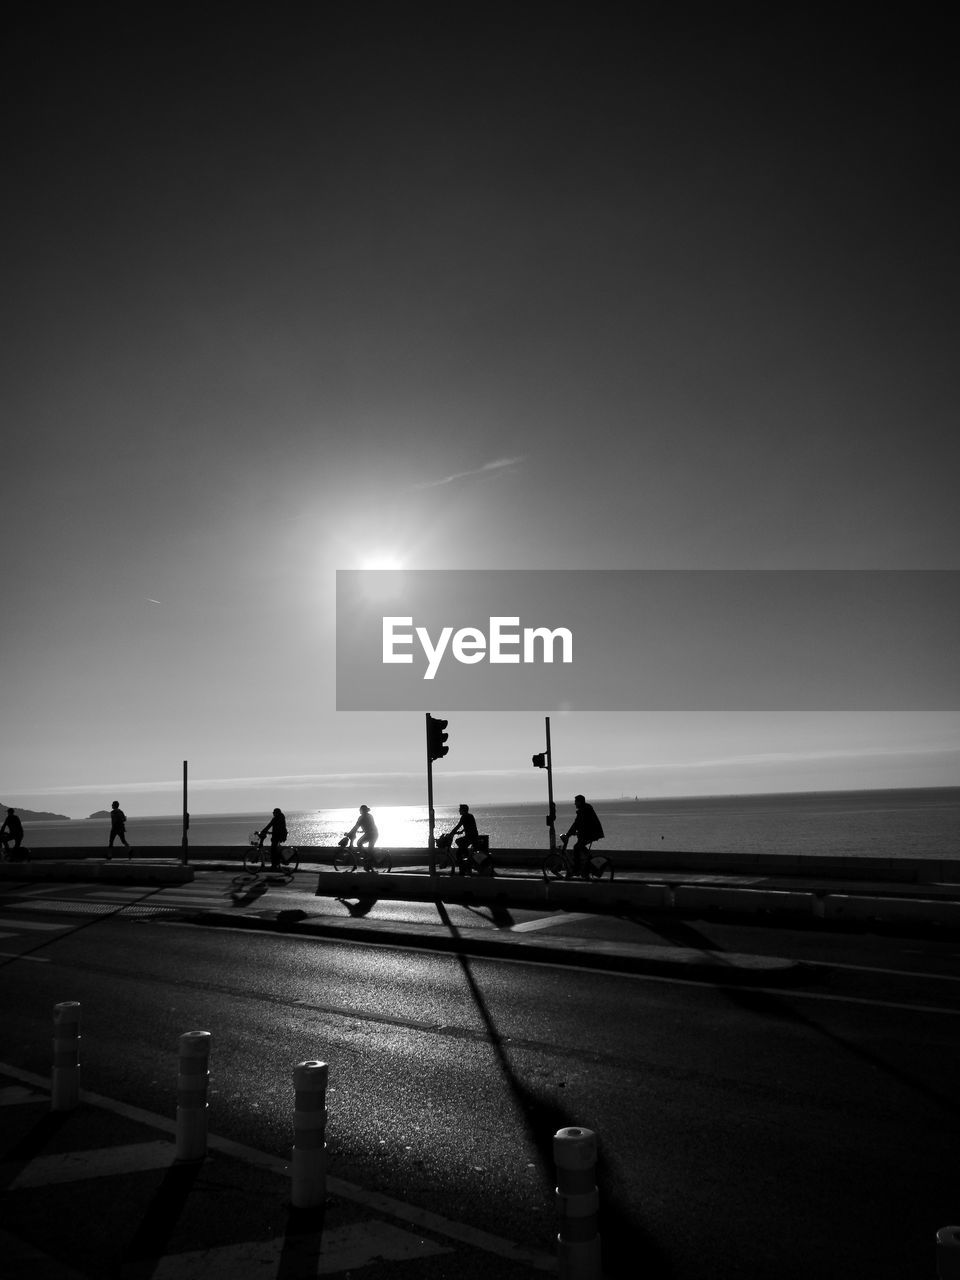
{"x":37,"y":815}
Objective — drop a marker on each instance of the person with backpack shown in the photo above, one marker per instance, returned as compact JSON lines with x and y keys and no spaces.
{"x":277,"y":828}
{"x":586,"y":827}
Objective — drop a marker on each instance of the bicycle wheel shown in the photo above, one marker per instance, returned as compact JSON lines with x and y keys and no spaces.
{"x":553,"y":864}
{"x":345,"y":860}
{"x":290,"y":859}
{"x":385,"y":862}
{"x":599,"y":867}
{"x":482,"y":864}
{"x":253,"y":858}
{"x":443,"y":859}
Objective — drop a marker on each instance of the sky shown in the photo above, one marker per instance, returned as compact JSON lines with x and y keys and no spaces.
{"x":293,"y":289}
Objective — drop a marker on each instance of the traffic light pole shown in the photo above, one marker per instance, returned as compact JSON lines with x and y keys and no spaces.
{"x":431,"y":842}
{"x":552,"y":815}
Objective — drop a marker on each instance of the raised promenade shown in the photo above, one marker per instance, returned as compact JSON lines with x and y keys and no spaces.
{"x":769,"y":888}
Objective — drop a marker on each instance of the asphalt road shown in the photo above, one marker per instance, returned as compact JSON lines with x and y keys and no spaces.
{"x":805,"y":1130}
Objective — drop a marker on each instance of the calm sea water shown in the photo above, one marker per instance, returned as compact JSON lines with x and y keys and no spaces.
{"x":906,"y":824}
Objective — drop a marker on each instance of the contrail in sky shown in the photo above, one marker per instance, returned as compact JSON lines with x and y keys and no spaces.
{"x":498,"y":465}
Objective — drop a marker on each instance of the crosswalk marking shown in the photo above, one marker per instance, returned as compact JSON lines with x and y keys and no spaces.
{"x":106,"y":1162}
{"x":342,"y":1249}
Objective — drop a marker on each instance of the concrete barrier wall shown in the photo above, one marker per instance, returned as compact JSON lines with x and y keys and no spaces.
{"x":115,"y":872}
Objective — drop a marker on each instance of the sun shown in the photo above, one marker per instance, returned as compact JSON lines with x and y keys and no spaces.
{"x":382,"y":562}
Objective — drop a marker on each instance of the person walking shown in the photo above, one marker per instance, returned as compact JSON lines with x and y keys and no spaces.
{"x":586,"y":827}
{"x":277,"y":829}
{"x":118,"y":829}
{"x":11,"y":833}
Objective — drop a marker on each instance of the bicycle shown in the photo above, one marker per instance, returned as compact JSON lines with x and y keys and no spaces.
{"x":559,"y":864}
{"x":465,"y":862}
{"x":256,"y":858}
{"x":347,"y":858}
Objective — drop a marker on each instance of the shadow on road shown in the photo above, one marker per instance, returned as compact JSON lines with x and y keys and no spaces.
{"x":628,"y":1250}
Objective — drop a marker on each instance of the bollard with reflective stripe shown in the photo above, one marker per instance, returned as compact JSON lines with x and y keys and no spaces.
{"x":948,"y":1253}
{"x":309,"y":1166}
{"x":192,"y":1083}
{"x":578,"y":1203}
{"x":65,"y":1087}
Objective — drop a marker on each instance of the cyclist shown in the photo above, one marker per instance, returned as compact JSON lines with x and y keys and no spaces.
{"x":11,"y":833}
{"x":277,"y":827}
{"x":368,"y":840}
{"x":586,"y":827}
{"x":468,"y":843}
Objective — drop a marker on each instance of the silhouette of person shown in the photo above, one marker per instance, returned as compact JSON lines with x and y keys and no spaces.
{"x":469,"y":841}
{"x":118,"y":829}
{"x":371,"y":835}
{"x":277,"y":828}
{"x":586,"y":827}
{"x":11,"y":833}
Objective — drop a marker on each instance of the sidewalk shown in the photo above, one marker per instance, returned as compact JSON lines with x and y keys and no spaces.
{"x":97,"y":1193}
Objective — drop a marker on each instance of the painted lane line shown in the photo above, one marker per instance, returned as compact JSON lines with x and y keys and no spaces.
{"x":28,"y":924}
{"x":343,"y":1249}
{"x":549,"y":922}
{"x":373,"y":1200}
{"x":15,"y":955}
{"x":106,"y":1162}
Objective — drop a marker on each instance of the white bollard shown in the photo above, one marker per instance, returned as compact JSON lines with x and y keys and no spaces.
{"x":309,"y":1167}
{"x":65,"y":1090}
{"x":192,"y":1083}
{"x":948,"y":1253}
{"x":578,"y":1202}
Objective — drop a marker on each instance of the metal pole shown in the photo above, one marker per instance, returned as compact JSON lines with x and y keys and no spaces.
{"x":552,"y":815}
{"x":431,"y":842}
{"x":186,"y":817}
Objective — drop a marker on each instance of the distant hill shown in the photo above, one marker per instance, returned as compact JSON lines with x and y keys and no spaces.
{"x":36,"y":815}
{"x":101,"y":813}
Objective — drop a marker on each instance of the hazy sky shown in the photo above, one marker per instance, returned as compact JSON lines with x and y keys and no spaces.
{"x":462,"y":286}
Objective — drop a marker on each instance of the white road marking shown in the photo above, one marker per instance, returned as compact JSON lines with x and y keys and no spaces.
{"x":105,"y":1162}
{"x":15,"y":955}
{"x":372,"y":1200}
{"x":342,"y":1249}
{"x":12,"y":1095}
{"x":548,"y":922}
{"x":27,"y":924}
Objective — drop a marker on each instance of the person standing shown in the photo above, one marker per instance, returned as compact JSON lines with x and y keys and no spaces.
{"x":11,"y":833}
{"x":277,"y":829}
{"x":118,"y":829}
{"x":586,"y":827}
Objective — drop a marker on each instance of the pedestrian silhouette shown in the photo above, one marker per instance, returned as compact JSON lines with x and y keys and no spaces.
{"x":118,"y":829}
{"x":277,"y":830}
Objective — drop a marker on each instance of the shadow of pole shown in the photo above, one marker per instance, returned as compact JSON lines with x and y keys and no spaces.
{"x":628,"y":1250}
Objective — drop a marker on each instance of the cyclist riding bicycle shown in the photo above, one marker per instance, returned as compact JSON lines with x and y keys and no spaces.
{"x":586,"y":827}
{"x":468,"y":843}
{"x":368,"y":840}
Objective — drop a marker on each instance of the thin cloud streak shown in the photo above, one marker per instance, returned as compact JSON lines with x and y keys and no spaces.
{"x":499,"y":464}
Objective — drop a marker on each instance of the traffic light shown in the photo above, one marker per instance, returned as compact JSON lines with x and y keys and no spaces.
{"x":436,"y":738}
{"x":540,"y":761}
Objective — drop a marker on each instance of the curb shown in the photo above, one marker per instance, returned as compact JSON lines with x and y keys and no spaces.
{"x":719,"y":967}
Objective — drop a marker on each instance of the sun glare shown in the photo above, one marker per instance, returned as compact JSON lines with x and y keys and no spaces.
{"x":382,"y":562}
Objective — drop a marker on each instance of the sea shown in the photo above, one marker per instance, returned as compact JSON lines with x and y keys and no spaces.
{"x":918,"y":823}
